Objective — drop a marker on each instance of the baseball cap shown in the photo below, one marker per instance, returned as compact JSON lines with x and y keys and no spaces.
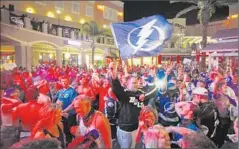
{"x":200,"y":91}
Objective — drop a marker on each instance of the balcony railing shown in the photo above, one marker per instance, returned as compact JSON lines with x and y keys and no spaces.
{"x":22,"y":21}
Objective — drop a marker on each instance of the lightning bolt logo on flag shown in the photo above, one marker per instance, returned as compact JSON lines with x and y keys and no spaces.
{"x":144,"y":37}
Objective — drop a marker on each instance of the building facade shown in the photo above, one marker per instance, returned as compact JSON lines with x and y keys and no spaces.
{"x":36,"y":32}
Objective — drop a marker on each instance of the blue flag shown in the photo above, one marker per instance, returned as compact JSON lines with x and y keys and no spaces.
{"x":144,"y":37}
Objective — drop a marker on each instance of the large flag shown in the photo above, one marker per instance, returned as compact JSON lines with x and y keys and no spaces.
{"x":144,"y":37}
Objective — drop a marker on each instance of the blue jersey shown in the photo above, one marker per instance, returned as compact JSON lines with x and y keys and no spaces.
{"x":190,"y":126}
{"x":166,"y":110}
{"x":66,"y":96}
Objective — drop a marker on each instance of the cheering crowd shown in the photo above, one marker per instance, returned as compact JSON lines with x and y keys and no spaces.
{"x":164,"y":106}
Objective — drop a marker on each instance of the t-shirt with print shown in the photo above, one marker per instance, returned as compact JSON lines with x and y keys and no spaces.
{"x":66,"y":96}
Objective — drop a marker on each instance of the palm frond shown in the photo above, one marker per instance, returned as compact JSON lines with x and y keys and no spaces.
{"x":184,"y":1}
{"x":212,"y":10}
{"x":186,"y":10}
{"x":222,"y":3}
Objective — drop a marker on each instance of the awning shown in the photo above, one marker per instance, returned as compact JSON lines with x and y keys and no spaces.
{"x":226,"y":33}
{"x":7,"y":53}
{"x":221,"y":47}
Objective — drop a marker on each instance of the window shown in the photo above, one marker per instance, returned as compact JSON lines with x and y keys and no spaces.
{"x":110,"y":14}
{"x":76,"y":7}
{"x":41,"y":2}
{"x":114,"y":16}
{"x":89,"y":11}
{"x":106,"y":13}
{"x":59,"y":5}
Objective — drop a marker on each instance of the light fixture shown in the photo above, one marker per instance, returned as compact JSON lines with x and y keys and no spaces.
{"x":104,"y":26}
{"x":68,"y":18}
{"x":30,"y":10}
{"x":234,"y":16}
{"x":82,"y":21}
{"x":50,"y":14}
{"x":51,"y":56}
{"x":40,"y":57}
{"x":58,"y":12}
{"x":67,"y":55}
{"x":100,"y":7}
{"x":120,"y":14}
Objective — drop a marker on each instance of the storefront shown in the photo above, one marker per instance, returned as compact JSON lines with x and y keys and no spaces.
{"x":99,"y":58}
{"x":7,"y":55}
{"x":71,"y":56}
{"x":43,"y":54}
{"x":149,"y":60}
{"x":224,"y":53}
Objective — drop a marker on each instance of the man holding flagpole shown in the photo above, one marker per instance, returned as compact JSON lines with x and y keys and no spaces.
{"x":144,"y":37}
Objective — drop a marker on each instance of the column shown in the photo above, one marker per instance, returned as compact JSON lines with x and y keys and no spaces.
{"x":27,"y":23}
{"x":59,"y":57}
{"x":20,"y":55}
{"x":59,"y":31}
{"x":28,"y":57}
{"x":45,"y":28}
{"x":84,"y":36}
{"x":73,"y":34}
{"x":217,"y":62}
{"x":5,"y":16}
{"x":141,"y":61}
{"x":209,"y":62}
{"x":83,"y":57}
{"x":101,"y":39}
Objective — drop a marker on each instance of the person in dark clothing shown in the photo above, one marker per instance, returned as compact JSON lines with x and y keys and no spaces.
{"x":223,"y":103}
{"x":208,"y":115}
{"x":131,"y":100}
{"x":111,"y":109}
{"x":233,"y":139}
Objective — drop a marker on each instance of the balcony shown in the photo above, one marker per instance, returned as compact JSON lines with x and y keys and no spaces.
{"x":46,"y":27}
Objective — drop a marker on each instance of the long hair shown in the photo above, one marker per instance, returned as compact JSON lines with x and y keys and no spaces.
{"x":47,"y":117}
{"x":157,"y":137}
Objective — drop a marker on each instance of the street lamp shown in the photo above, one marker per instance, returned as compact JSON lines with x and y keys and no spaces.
{"x":58,"y":16}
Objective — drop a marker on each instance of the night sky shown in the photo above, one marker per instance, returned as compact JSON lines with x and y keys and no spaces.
{"x":134,"y":10}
